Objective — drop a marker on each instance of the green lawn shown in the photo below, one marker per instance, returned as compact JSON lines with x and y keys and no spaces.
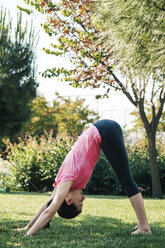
{"x":106,"y":221}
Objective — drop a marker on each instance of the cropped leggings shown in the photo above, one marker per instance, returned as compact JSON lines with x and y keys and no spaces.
{"x":115,"y":152}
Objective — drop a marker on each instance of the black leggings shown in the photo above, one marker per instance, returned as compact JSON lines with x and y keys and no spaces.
{"x":115,"y":152}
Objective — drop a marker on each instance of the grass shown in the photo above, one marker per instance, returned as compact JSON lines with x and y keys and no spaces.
{"x":106,"y":221}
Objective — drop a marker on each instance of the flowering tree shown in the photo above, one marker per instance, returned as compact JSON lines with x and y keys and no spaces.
{"x":94,"y":65}
{"x":64,"y":115}
{"x":135,"y":30}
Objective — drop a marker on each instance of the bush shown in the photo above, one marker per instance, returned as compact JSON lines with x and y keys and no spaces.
{"x":140,"y":167}
{"x":104,"y":181}
{"x":37,"y":161}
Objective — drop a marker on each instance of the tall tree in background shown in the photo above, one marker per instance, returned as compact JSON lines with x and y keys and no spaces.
{"x":65,"y":115}
{"x":95,"y":64}
{"x":17,"y":74}
{"x":135,"y":30}
{"x":138,"y":124}
{"x":41,"y":119}
{"x":73,"y":116}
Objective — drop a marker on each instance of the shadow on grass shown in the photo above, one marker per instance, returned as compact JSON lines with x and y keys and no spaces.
{"x":88,"y":231}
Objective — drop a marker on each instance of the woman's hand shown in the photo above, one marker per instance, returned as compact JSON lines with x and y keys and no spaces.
{"x":21,"y":229}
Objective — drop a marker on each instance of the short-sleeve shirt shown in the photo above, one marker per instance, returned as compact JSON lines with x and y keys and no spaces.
{"x":81,"y":160}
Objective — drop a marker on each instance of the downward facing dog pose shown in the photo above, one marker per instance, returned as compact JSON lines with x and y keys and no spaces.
{"x":75,"y":172}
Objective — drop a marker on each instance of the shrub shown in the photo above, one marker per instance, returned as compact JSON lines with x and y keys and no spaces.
{"x":37,"y":161}
{"x":140,"y":167}
{"x":103,"y":180}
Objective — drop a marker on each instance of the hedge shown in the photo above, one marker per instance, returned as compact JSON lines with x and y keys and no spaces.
{"x":38,"y":162}
{"x":104,"y":181}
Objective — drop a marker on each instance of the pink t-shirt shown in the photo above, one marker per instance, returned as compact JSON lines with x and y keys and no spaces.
{"x":80,"y":161}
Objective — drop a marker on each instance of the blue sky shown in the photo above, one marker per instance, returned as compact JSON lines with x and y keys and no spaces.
{"x":117,"y":107}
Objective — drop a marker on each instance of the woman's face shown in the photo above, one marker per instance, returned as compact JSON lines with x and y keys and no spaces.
{"x":77,"y":198}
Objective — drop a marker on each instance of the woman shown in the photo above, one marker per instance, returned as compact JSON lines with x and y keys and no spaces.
{"x":75,"y":172}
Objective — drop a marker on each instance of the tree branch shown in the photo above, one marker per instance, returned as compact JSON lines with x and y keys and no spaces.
{"x":134,"y":91}
{"x":155,"y":5}
{"x":143,"y":88}
{"x":143,"y":116}
{"x":112,"y":86}
{"x":122,"y":87}
{"x":162,"y":102}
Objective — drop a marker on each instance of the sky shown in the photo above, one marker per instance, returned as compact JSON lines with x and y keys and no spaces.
{"x":116,"y":107}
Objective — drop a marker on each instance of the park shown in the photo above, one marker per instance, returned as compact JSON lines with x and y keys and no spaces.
{"x":101,"y":172}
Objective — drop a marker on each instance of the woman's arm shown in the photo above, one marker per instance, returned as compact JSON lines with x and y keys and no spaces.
{"x":49,"y":212}
{"x":29,"y":225}
{"x":44,"y":206}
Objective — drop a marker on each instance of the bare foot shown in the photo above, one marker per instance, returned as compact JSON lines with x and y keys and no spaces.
{"x":142,"y":230}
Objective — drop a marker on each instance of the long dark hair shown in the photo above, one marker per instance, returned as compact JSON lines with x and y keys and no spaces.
{"x":68,"y":211}
{"x":48,"y":224}
{"x":65,"y":211}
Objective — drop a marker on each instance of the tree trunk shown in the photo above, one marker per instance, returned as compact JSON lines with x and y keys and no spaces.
{"x":151,"y":134}
{"x":155,"y":176}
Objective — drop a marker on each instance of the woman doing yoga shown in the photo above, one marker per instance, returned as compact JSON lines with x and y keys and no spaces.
{"x":75,"y":172}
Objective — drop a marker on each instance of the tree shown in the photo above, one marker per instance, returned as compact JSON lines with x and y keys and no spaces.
{"x":138,"y":124}
{"x":65,"y":115}
{"x":135,"y":31}
{"x":94,"y":65}
{"x":17,"y":75}
{"x":73,"y":116}
{"x":41,"y":118}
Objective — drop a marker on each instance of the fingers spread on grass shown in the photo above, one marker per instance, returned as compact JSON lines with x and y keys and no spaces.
{"x":20,"y":229}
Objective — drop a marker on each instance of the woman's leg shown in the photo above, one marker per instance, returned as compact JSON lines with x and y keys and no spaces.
{"x":138,"y":205}
{"x":114,"y":150}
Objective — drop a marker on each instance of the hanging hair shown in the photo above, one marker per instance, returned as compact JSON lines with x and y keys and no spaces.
{"x":68,"y":211}
{"x":48,"y":224}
